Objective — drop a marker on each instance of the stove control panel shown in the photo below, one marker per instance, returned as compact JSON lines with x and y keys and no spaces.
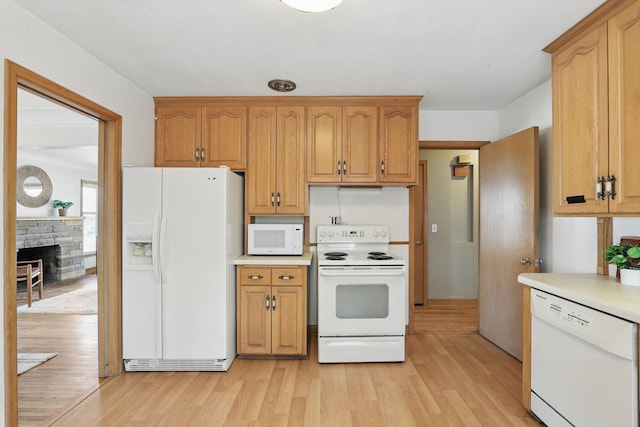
{"x":352,"y":234}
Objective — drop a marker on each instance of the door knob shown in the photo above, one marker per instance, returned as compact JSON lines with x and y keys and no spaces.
{"x":418,"y":242}
{"x":525,"y":261}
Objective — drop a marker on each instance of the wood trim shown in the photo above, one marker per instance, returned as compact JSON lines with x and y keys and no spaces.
{"x":252,"y":101}
{"x":451,"y":145}
{"x":599,"y":16}
{"x":109,"y":224}
{"x":452,"y":301}
{"x":526,"y":347}
{"x":605,"y":239}
{"x":9,"y":247}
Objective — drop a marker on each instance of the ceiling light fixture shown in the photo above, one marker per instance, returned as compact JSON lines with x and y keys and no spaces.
{"x":281,"y":85}
{"x":312,"y":5}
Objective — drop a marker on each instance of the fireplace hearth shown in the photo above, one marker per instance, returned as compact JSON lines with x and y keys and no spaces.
{"x":57,"y":241}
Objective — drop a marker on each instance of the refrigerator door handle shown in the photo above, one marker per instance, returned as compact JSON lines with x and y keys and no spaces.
{"x":155,"y":247}
{"x":163,"y":235}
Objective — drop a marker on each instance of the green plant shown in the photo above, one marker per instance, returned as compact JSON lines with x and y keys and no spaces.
{"x":59,"y":204}
{"x":624,"y":256}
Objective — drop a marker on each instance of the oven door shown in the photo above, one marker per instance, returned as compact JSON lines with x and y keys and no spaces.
{"x":361,"y":300}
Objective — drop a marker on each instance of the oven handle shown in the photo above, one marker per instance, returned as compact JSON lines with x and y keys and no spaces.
{"x":362,"y":272}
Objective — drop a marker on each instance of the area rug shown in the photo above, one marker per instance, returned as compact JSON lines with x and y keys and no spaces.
{"x":28,"y":361}
{"x":80,"y":301}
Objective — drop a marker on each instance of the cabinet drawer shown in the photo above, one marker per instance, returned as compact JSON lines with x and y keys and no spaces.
{"x":254,"y":275}
{"x":290,"y":276}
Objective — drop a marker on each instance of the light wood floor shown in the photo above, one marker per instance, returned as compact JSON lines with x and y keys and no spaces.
{"x":47,"y":391}
{"x":452,"y":377}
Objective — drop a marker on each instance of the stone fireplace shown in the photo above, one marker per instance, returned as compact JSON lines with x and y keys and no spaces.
{"x":58,"y":241}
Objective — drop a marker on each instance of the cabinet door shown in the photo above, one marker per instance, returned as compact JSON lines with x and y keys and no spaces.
{"x":580,"y":123}
{"x":291,"y":188}
{"x":254,"y":320}
{"x":324,"y":157}
{"x":178,"y":133}
{"x":224,"y":137}
{"x":398,"y":145}
{"x":289,"y":315}
{"x":288,"y":320}
{"x":360,"y":144}
{"x":261,"y":173}
{"x":624,"y":108}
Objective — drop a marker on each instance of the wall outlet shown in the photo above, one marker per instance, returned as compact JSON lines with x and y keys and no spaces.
{"x":434,"y":228}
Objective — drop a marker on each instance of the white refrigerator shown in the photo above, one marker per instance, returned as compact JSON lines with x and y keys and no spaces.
{"x":182,"y":228}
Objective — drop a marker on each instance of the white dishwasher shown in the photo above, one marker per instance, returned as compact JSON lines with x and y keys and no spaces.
{"x":584,"y":365}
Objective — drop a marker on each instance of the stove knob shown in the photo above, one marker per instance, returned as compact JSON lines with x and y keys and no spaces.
{"x":383,"y":233}
{"x":331,"y":233}
{"x":375,"y":234}
{"x":323,"y":234}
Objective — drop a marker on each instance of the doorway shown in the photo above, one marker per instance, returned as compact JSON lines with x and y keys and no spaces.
{"x":109,"y":225}
{"x":447,"y":226}
{"x":63,"y":144}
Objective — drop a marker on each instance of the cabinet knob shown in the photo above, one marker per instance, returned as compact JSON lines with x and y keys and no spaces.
{"x":382,"y":167}
{"x":273,"y":304}
{"x":255,"y":277}
{"x":273,"y":199}
{"x":266,"y":302}
{"x":197,"y":154}
{"x":202,"y":153}
{"x":339,"y":168}
{"x":286,"y":277}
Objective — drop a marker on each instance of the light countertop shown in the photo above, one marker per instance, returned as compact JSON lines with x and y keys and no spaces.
{"x":602,"y":293}
{"x":304,"y":259}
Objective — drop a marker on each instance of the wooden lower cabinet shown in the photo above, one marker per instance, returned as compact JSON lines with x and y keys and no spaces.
{"x":272,"y":310}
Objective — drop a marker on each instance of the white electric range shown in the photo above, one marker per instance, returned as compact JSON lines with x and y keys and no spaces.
{"x":362,"y":292}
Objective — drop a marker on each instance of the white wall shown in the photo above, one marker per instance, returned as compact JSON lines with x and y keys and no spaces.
{"x":458,"y":126}
{"x":65,"y":179}
{"x":453,"y":206}
{"x":26,"y":40}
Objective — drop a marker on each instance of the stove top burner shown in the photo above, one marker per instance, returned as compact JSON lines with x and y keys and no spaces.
{"x":377,"y":253}
{"x":379,"y":257}
{"x":335,"y":256}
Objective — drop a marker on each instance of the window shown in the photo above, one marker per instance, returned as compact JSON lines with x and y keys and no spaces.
{"x":89,"y":210}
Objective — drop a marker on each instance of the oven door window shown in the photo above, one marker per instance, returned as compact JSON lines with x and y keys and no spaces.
{"x":362,"y":301}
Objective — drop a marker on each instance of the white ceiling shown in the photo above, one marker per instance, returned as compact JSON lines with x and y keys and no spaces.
{"x":459,"y":54}
{"x":47,"y":129}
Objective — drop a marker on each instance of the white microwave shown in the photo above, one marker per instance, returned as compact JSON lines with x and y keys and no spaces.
{"x":275,"y":239}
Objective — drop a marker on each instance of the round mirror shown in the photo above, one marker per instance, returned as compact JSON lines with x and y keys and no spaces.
{"x":33,"y":186}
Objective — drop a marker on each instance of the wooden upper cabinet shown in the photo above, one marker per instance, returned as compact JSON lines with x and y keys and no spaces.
{"x":224,"y":137}
{"x":276,"y":168}
{"x":596,"y":81}
{"x":360,"y":144}
{"x":624,"y":109}
{"x":201,"y":136}
{"x":261,"y":172}
{"x":398,"y":145}
{"x":580,"y":105}
{"x":342,"y":144}
{"x":178,"y":135}
{"x":324,"y":145}
{"x":291,"y":188}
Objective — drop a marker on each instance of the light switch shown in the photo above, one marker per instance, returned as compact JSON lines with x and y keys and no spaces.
{"x":434,"y":228}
